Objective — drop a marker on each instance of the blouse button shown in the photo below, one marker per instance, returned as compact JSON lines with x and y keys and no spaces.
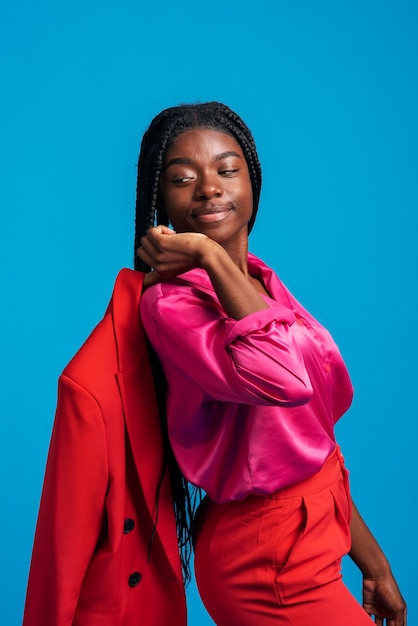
{"x":300,"y":321}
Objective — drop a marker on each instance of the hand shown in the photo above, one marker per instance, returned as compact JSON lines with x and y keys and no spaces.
{"x":382,"y":598}
{"x":170,"y":253}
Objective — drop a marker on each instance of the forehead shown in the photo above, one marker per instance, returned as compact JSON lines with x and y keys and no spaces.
{"x":203,"y":141}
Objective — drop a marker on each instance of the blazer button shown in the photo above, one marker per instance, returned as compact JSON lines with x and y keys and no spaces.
{"x":128,"y":526}
{"x":134,"y":579}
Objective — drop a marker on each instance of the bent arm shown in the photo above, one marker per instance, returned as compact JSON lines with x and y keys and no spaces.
{"x":242,"y":349}
{"x":171,"y":254}
{"x":381,"y":596}
{"x":255,"y":360}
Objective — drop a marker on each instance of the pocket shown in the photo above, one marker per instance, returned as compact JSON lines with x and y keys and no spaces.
{"x":310,"y":555}
{"x":288,"y":523}
{"x":289,"y":534}
{"x":342,"y":512}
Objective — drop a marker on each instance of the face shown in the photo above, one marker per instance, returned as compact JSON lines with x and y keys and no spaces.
{"x":205,"y":186}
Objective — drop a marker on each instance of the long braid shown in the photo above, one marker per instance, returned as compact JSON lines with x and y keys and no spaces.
{"x":157,"y":140}
{"x":185,"y":499}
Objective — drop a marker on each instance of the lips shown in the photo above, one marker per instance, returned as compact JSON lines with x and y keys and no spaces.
{"x":210,"y":214}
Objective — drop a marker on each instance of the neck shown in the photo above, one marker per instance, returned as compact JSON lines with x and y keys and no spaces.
{"x":237,"y":250}
{"x":239,"y":255}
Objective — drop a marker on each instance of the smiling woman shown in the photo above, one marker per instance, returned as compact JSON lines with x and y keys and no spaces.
{"x":255,"y":386}
{"x":235,"y":390}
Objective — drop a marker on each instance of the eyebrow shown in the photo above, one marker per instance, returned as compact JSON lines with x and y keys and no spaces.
{"x":228,"y":153}
{"x":187,"y":161}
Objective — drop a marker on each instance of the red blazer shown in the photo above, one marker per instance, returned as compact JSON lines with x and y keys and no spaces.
{"x":91,"y":564}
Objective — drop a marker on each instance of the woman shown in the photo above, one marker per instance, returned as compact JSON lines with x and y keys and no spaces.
{"x":254,"y":387}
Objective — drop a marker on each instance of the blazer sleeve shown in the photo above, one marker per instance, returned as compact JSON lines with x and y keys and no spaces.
{"x":72,"y":508}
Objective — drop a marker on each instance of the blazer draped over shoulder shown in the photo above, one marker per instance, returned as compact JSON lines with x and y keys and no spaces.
{"x":92,"y":564}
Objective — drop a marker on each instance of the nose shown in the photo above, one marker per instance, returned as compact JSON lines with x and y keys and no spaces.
{"x":209,"y":186}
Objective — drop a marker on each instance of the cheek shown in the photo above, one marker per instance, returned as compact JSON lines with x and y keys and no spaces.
{"x":248,"y":194}
{"x":171,"y":201}
{"x":247,"y":188}
{"x":174,"y":209}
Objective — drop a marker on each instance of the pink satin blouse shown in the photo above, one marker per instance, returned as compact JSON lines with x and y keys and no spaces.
{"x":251,"y":404}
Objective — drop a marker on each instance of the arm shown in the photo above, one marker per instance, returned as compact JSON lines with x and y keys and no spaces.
{"x":381,"y":596}
{"x":171,"y":253}
{"x":244,"y":352}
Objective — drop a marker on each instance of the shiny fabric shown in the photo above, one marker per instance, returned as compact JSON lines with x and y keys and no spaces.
{"x":251,"y":403}
{"x":276,"y":560}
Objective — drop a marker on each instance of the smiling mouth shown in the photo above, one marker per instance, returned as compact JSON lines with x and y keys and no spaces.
{"x":211,"y":214}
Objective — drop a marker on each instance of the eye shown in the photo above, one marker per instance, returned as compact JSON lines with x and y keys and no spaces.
{"x":181,"y":180}
{"x":229,"y":172}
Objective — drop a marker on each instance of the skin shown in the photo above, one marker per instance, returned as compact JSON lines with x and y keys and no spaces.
{"x":207,"y":195}
{"x":381,"y":595}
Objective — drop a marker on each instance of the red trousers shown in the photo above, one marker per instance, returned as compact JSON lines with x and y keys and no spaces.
{"x":276,"y":560}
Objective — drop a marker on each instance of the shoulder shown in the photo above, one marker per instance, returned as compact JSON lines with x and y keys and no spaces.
{"x":97,"y":361}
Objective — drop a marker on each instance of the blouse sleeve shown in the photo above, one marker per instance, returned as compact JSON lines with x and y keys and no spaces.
{"x":255,"y":360}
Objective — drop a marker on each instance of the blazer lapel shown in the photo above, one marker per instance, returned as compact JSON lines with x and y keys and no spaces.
{"x":139,"y":403}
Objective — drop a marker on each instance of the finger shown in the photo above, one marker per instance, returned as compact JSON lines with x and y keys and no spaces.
{"x":165,"y":230}
{"x":148,"y":246}
{"x":156,"y":232}
{"x":399,"y":621}
{"x":145,"y":256}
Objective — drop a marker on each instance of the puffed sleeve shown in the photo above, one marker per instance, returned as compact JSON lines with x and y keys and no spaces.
{"x":71,"y":510}
{"x":255,"y":360}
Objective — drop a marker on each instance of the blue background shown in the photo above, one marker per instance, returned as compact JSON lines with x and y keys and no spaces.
{"x":330,"y":92}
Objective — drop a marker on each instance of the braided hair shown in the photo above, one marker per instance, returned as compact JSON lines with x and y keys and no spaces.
{"x":157,"y":140}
